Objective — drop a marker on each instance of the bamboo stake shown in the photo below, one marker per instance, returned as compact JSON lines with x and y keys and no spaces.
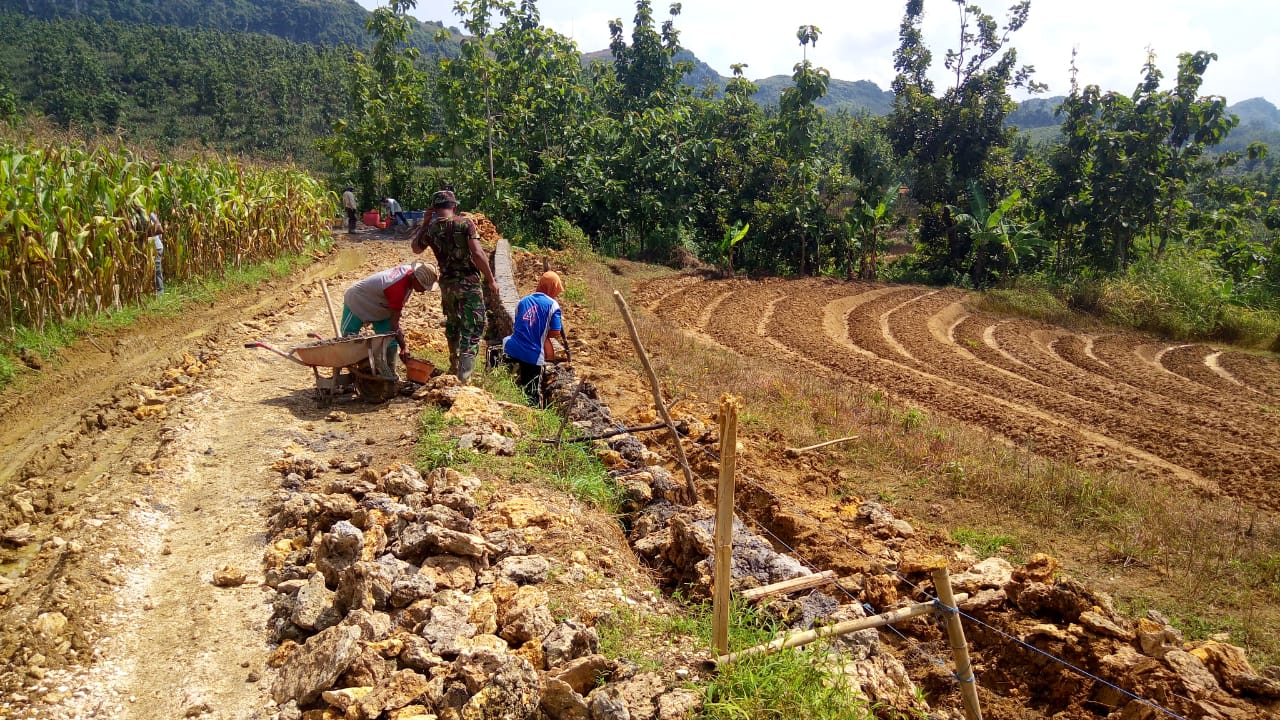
{"x":603,"y":435}
{"x":328,"y":305}
{"x":658,"y":403}
{"x":729,"y":406}
{"x":792,"y":452}
{"x":959,"y":649}
{"x":844,"y":628}
{"x":804,"y":582}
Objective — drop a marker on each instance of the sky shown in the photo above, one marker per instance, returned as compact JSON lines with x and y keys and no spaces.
{"x":859,"y":36}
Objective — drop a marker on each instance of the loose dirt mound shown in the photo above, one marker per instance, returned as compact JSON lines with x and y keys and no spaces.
{"x":1188,"y":413}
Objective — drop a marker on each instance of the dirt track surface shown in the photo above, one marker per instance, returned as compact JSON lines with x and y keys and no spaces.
{"x":110,"y":611}
{"x":1189,"y":414}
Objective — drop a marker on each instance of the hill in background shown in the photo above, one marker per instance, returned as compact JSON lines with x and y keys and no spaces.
{"x":211,"y":73}
{"x":317,"y":22}
{"x":856,"y":96}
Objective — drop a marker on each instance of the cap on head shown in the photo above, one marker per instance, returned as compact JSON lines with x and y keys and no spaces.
{"x":444,"y":199}
{"x":426,"y":275}
{"x":550,"y":284}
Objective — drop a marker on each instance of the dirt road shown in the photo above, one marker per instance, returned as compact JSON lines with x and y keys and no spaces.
{"x":1189,"y":414}
{"x":140,"y":473}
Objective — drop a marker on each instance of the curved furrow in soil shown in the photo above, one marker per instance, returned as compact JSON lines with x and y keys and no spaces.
{"x":1223,"y":459}
{"x":1008,"y":344}
{"x":1255,"y":371}
{"x":651,"y":294}
{"x":682,"y":304}
{"x":1211,"y":361}
{"x":1132,"y":427}
{"x":1188,"y":361}
{"x":860,"y":330}
{"x":735,"y":324}
{"x":1128,"y":368}
{"x":866,"y":316}
{"x":1135,"y":364}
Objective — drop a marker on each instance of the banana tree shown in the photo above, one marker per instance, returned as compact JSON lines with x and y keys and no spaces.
{"x":997,"y":240}
{"x":732,"y":236}
{"x":866,"y":223}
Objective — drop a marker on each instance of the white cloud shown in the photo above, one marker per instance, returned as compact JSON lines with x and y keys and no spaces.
{"x":859,"y":36}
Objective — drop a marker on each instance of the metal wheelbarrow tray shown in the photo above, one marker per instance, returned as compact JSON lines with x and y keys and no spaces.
{"x":342,"y":356}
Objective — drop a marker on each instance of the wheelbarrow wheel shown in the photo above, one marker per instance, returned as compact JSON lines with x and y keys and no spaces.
{"x":375,"y":388}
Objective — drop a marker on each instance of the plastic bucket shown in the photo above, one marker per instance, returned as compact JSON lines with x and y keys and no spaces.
{"x":372,"y":218}
{"x":419,"y":371}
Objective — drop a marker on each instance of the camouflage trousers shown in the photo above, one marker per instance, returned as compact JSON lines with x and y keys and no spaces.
{"x":463,"y":305}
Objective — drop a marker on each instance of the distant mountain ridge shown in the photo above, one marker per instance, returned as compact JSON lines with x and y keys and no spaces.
{"x":314,"y":22}
{"x":330,"y":23}
{"x":855,"y":96}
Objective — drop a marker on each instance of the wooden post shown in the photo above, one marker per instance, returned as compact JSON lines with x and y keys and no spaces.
{"x":659,"y":405}
{"x":959,"y":649}
{"x":729,"y":406}
{"x":115,"y":297}
{"x":328,"y":305}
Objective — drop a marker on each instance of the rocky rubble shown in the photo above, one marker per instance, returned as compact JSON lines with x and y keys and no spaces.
{"x":39,"y":494}
{"x":677,"y":542}
{"x":406,"y":596}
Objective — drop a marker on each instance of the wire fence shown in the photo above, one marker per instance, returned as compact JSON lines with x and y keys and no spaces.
{"x":913,"y":644}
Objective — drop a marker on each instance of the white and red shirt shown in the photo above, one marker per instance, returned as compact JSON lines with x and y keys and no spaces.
{"x":377,"y":296}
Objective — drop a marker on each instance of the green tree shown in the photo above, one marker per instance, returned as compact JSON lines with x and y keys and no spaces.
{"x":946,"y":142}
{"x":1128,"y":162}
{"x":995,"y":233}
{"x":799,"y":120}
{"x":517,"y":127}
{"x":388,"y":131}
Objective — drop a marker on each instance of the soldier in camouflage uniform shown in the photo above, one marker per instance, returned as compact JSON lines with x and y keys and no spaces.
{"x":456,"y":244}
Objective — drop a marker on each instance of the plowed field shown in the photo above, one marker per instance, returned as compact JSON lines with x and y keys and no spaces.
{"x":1184,"y":413}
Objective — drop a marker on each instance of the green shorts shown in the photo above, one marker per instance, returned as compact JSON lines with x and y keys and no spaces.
{"x":352,"y":325}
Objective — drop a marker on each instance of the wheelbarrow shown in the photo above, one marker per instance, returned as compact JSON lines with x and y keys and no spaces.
{"x":360,"y":361}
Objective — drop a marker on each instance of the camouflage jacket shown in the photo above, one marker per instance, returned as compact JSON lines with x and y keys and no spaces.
{"x":448,"y":238}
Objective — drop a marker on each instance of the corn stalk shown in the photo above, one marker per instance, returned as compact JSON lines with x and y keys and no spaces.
{"x":72,"y":223}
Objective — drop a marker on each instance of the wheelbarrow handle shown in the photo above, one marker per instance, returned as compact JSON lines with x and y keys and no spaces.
{"x":281,"y":353}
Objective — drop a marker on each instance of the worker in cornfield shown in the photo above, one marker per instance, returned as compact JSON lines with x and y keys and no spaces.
{"x":379,"y":300}
{"x":538,"y":321}
{"x":456,"y":244}
{"x":349,"y":204}
{"x":148,"y":223}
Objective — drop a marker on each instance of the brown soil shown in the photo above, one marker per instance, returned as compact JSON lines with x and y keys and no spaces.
{"x":136,"y":506}
{"x":1103,"y":402}
{"x":1098,"y":402}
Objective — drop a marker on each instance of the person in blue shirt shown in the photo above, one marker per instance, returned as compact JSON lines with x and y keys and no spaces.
{"x":537,"y":322}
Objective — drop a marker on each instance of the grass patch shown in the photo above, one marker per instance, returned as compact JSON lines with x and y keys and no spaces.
{"x":1180,"y":297}
{"x":435,"y":448}
{"x":782,"y":686}
{"x":986,"y":543}
{"x":177,"y":296}
{"x":572,"y":468}
{"x":575,"y":291}
{"x":785,"y":686}
{"x":1031,"y":301}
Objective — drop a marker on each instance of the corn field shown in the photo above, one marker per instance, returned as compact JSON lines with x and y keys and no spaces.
{"x":73,"y":236}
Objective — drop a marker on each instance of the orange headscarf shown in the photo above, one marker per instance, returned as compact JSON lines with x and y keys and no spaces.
{"x":549,"y":284}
